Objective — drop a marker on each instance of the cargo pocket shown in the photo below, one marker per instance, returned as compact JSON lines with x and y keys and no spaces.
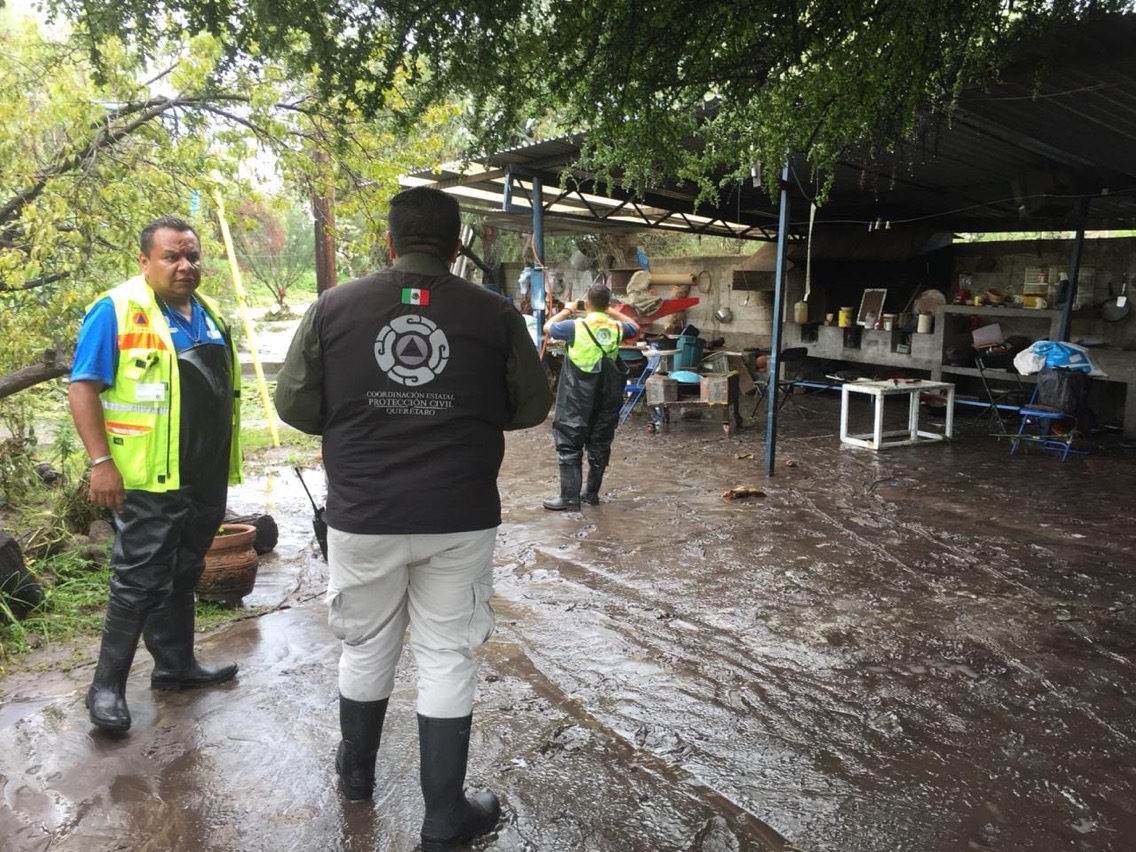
{"x":482,"y":620}
{"x":335,"y":620}
{"x":130,"y":415}
{"x":135,"y":451}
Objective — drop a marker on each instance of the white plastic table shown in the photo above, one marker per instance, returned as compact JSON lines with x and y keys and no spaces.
{"x":878,"y":439}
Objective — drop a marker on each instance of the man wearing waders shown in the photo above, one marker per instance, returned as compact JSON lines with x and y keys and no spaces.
{"x":590,"y":394}
{"x":155,"y":394}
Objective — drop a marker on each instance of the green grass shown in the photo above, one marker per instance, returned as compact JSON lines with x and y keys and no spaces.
{"x":75,"y":582}
{"x":210,"y":615}
{"x":296,"y":447}
{"x":75,"y":593}
{"x":75,"y":596}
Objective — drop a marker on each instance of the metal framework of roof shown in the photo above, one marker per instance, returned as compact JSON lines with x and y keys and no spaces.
{"x":1048,"y":151}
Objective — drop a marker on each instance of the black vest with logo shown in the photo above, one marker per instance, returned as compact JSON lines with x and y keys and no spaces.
{"x":414,"y":403}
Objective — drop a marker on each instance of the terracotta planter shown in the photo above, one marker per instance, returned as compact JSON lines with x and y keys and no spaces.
{"x":230,"y":565}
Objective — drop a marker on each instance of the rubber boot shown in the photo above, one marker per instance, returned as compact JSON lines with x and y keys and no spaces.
{"x":591,"y":494}
{"x":169,"y":639}
{"x":361,"y":726}
{"x":569,"y":498}
{"x":451,"y":818}
{"x":106,"y":698}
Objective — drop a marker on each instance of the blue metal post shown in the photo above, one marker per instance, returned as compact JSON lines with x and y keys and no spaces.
{"x":778,"y":310}
{"x":1074,"y":271}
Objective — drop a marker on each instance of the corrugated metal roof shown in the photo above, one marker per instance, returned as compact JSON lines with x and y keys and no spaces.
{"x":1025,"y":153}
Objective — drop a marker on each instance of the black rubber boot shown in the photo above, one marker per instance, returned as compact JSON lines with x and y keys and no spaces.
{"x":169,"y":639}
{"x":361,"y":726}
{"x":451,"y":818}
{"x":570,"y":476}
{"x":106,"y":698}
{"x":591,"y":494}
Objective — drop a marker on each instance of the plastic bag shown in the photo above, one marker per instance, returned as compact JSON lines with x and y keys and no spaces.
{"x":1065,"y":390}
{"x":1053,"y":355}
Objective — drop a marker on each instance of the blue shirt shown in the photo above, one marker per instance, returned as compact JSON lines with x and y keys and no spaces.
{"x":96,"y":352}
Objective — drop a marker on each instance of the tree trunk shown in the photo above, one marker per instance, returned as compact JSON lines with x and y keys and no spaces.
{"x":323,"y":210}
{"x":49,"y":368}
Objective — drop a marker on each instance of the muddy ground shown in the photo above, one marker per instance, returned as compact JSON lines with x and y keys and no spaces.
{"x":925,"y":649}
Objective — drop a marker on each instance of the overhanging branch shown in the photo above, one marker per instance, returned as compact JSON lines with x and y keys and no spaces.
{"x":50,"y":367}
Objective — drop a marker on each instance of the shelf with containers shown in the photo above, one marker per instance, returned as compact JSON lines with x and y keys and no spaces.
{"x":1118,"y":363}
{"x":865,"y":346}
{"x":1034,"y":323}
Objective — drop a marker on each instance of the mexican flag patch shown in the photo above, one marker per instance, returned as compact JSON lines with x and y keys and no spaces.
{"x":415,"y":297}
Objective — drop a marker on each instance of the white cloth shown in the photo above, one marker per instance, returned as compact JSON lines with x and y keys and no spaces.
{"x":439,"y":585}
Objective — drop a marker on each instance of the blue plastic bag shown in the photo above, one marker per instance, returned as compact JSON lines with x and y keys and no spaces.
{"x":1053,"y":355}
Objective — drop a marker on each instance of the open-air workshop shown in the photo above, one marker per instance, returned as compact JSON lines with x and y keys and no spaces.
{"x":860,"y":575}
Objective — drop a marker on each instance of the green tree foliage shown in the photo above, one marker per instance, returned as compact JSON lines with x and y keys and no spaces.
{"x":88,"y":158}
{"x":748,"y":81}
{"x":85,"y":165}
{"x":275,"y":247}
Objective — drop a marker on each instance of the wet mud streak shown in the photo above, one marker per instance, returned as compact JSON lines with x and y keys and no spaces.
{"x":927,"y":649}
{"x":512,"y":659}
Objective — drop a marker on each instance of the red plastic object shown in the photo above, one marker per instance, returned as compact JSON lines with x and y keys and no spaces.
{"x":668,"y":307}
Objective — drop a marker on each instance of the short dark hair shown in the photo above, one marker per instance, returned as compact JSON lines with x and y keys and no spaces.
{"x":424,"y":219}
{"x":172,"y":223}
{"x":598,"y":297}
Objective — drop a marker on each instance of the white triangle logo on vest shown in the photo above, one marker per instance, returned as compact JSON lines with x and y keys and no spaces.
{"x":412,"y":350}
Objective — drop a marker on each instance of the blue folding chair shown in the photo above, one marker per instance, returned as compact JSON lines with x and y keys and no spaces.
{"x":635,"y":388}
{"x":1055,"y":427}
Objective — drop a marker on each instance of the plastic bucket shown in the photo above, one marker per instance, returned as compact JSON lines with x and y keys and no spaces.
{"x":689,"y":352}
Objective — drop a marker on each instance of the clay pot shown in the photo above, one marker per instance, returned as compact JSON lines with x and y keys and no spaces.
{"x":230,"y":565}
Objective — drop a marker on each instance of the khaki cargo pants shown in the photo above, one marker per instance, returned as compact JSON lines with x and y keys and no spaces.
{"x":438,"y":585}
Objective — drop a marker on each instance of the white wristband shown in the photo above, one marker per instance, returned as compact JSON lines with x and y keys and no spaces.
{"x":100,"y":460}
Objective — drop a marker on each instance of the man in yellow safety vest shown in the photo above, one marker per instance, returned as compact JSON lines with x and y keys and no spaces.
{"x":589,"y":394}
{"x":155,"y":386}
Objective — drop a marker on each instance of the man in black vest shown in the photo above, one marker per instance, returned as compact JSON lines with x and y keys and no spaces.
{"x":411,"y":375}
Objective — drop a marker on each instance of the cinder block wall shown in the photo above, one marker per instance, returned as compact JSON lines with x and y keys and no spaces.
{"x":1003,"y":265}
{"x":752,"y":321}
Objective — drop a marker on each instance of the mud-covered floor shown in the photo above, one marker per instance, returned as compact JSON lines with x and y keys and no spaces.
{"x":925,"y":649}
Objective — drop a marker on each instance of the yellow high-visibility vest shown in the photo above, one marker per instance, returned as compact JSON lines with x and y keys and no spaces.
{"x":583,"y":351}
{"x":142,"y":409}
